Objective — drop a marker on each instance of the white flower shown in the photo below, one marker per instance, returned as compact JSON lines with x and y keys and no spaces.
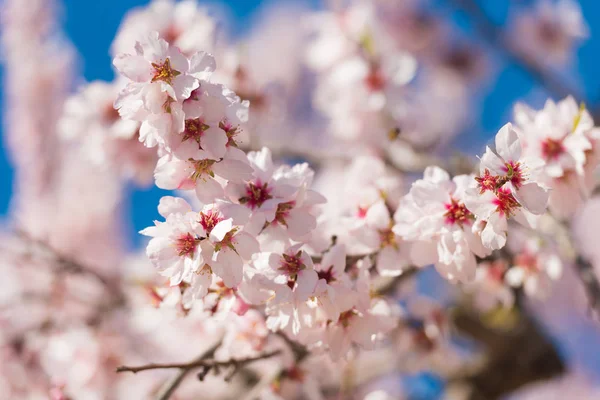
{"x":268,"y":188}
{"x":374,"y":230}
{"x":291,"y":279}
{"x":213,"y":115}
{"x":191,"y":246}
{"x":157,"y":63}
{"x":175,"y":245}
{"x":535,"y":265}
{"x":562,"y":135}
{"x":184,"y":24}
{"x":356,"y":327}
{"x":551,"y":30}
{"x":434,"y":216}
{"x":333,"y":292}
{"x":507,"y":187}
{"x":206,"y":176}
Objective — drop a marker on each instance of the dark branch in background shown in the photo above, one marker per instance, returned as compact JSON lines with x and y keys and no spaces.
{"x":587,"y":276}
{"x":515,"y":357}
{"x":63,"y":264}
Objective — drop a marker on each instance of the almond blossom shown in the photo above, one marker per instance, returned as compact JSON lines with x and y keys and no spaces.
{"x":443,"y":229}
{"x":175,"y":248}
{"x":327,"y":265}
{"x":293,"y":282}
{"x":161,"y":77}
{"x":206,"y":175}
{"x":563,"y":135}
{"x":374,"y":231}
{"x":191,"y":246}
{"x":508,"y":186}
{"x":268,"y":190}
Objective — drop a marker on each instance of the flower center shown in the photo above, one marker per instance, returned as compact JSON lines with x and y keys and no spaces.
{"x":194,"y":128}
{"x":227,"y":240}
{"x":550,"y":33}
{"x":256,"y":195}
{"x":326,"y":274}
{"x":375,"y":80}
{"x":186,"y":245}
{"x":231,"y":132}
{"x":171,"y":34}
{"x":457,"y":213}
{"x":487,"y":181}
{"x":514,"y":173}
{"x":283,"y":211}
{"x":346,"y":317}
{"x":528,"y":262}
{"x":552,"y":149}
{"x":202,"y":167}
{"x":292,"y":264}
{"x":209,"y":220}
{"x":164,"y":72}
{"x":387,"y":238}
{"x":505,"y":202}
{"x":362,"y":212}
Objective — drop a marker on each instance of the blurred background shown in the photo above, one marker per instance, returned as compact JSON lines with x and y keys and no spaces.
{"x":91,"y":27}
{"x":481,"y":59}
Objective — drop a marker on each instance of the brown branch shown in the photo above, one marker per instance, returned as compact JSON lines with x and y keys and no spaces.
{"x":587,"y":276}
{"x":172,"y":385}
{"x":516,"y":356}
{"x":207,"y":365}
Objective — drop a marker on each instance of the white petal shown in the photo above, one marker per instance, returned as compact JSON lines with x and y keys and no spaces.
{"x":171,"y":205}
{"x":508,"y":144}
{"x":533,"y":197}
{"x":228,"y":266}
{"x":220,"y":230}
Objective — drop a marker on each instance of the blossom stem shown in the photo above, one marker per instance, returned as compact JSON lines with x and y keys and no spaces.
{"x":202,"y":362}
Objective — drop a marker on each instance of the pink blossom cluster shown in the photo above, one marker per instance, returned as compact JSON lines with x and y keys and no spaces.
{"x":310,"y":192}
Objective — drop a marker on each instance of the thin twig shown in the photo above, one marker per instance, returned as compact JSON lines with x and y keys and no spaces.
{"x":170,"y":387}
{"x":201,"y":363}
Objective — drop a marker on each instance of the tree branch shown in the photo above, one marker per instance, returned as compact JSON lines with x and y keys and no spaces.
{"x":587,"y":276}
{"x":169,"y":388}
{"x":202,"y":362}
{"x":516,"y":356}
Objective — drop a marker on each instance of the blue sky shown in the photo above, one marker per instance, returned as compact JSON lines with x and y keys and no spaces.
{"x":91,"y":26}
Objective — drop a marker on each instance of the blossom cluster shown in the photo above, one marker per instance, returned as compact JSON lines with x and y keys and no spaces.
{"x":309,"y":193}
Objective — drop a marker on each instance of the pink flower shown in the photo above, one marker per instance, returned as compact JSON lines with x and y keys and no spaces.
{"x":175,"y":248}
{"x":155,"y":63}
{"x":563,"y":136}
{"x":376,"y":233}
{"x":434,"y":216}
{"x":268,"y":188}
{"x":207,"y":176}
{"x":508,"y":187}
{"x":184,"y":24}
{"x":362,"y":328}
{"x":213,"y":117}
{"x":333,"y":292}
{"x":551,"y":31}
